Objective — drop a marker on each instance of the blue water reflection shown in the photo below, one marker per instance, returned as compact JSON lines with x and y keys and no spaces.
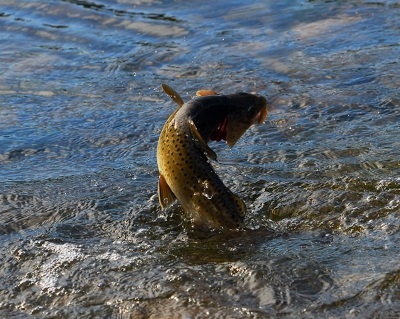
{"x":81,"y":108}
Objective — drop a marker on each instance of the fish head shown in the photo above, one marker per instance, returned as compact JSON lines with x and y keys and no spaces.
{"x":251,"y":107}
{"x":247,"y":109}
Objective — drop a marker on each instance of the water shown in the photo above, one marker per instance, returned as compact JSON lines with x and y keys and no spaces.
{"x":82,"y":234}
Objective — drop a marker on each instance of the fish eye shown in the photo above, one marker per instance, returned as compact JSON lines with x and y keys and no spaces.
{"x":251,"y":109}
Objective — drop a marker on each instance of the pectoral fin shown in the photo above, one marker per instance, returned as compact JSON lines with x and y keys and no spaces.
{"x":200,"y":141}
{"x":173,"y":94}
{"x":165,"y":194}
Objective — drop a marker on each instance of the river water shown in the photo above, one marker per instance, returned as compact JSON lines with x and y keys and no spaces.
{"x":81,"y":108}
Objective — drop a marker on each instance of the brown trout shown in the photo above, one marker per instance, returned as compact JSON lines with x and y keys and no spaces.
{"x":182,"y":154}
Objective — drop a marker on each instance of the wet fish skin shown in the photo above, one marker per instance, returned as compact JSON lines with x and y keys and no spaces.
{"x":183,"y":155}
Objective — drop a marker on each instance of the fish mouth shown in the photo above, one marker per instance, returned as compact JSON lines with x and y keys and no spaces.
{"x":260,"y":116}
{"x":221,"y":132}
{"x":232,"y":126}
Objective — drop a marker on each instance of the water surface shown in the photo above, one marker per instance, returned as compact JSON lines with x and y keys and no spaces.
{"x":81,"y":108}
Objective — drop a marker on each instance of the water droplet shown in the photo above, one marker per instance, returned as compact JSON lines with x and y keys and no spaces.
{"x":207,"y":190}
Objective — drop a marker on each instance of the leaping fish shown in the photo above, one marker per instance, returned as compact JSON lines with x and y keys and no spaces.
{"x":183,"y":154}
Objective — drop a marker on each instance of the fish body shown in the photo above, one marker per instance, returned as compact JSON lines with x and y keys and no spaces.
{"x":186,"y":173}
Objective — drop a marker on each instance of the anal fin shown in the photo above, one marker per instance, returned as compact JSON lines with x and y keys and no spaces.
{"x":165,"y":194}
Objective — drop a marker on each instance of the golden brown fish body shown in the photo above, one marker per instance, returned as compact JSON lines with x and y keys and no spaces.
{"x":182,"y":154}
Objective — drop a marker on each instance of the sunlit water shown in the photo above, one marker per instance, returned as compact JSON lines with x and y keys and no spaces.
{"x":82,"y":234}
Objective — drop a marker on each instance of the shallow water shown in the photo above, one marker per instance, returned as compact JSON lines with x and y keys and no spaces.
{"x":82,"y":234}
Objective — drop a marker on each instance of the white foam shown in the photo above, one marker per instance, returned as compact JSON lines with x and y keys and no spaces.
{"x":49,"y":272}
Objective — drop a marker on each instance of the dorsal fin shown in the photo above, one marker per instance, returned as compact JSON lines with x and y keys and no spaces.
{"x":172,"y":94}
{"x":200,"y":141}
{"x":205,"y":92}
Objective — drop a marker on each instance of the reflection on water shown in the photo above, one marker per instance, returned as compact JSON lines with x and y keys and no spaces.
{"x":82,"y":234}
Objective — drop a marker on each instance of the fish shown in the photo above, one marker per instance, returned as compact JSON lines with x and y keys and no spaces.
{"x":184,"y":156}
